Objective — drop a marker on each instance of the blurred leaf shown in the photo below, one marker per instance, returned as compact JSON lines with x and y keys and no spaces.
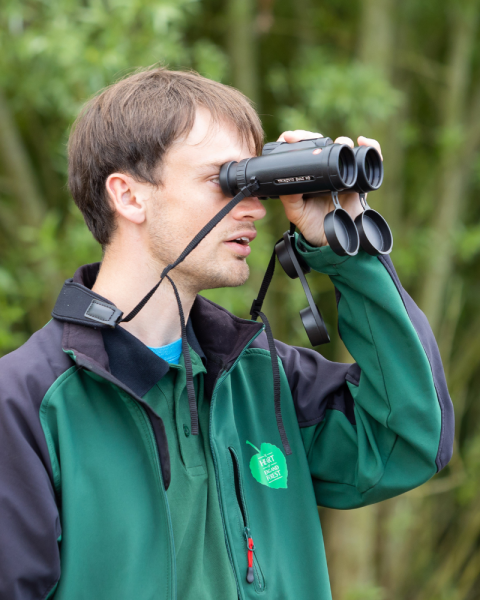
{"x":355,"y":95}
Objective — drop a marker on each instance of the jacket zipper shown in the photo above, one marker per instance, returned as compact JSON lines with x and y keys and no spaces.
{"x":220,"y":378}
{"x":250,"y":551}
{"x":254,"y":573}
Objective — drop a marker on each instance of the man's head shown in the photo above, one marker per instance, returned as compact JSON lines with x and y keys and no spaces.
{"x":144,"y":158}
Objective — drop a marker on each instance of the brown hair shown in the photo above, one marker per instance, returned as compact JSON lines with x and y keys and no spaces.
{"x":130,"y":125}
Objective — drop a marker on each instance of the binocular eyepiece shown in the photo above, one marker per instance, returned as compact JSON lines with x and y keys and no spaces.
{"x":314,"y":167}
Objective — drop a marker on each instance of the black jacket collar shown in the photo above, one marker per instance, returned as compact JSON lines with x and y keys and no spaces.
{"x":221,"y":335}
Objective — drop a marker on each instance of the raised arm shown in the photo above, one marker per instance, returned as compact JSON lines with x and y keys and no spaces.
{"x":386,"y":425}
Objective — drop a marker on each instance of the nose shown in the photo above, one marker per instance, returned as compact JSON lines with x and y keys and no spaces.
{"x":249,"y":209}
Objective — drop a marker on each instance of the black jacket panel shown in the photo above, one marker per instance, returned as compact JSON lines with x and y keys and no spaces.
{"x":28,"y":509}
{"x":316,"y":383}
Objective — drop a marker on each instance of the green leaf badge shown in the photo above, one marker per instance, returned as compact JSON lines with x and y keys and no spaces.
{"x":269,"y":466}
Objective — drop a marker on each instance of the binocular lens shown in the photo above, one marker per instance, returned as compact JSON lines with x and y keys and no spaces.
{"x":373,"y":168}
{"x":370,"y":169}
{"x":346,"y":166}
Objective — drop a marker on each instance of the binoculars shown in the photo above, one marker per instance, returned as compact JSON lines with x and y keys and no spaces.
{"x":316,"y":167}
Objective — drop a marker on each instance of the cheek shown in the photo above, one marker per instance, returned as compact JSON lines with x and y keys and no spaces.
{"x":182,"y":208}
{"x":183,"y":217}
{"x":192,"y":207}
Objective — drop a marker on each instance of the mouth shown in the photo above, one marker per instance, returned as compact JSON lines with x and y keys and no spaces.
{"x":240,"y":245}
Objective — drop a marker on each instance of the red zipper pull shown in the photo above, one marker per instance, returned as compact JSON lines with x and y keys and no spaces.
{"x":250,"y":551}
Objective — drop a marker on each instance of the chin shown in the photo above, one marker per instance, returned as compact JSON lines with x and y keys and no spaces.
{"x":230,"y":276}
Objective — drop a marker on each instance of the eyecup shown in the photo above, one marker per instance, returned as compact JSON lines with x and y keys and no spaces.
{"x":314,"y":326}
{"x":286,"y":262}
{"x":228,"y":178}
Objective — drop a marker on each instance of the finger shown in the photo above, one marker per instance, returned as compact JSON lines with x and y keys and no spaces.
{"x":293,"y":201}
{"x":294,"y":207}
{"x":297,"y":135}
{"x":282,"y":136}
{"x":363,"y":141}
{"x":345,"y":140}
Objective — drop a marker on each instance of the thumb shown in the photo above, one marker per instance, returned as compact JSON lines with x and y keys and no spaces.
{"x":294,"y":206}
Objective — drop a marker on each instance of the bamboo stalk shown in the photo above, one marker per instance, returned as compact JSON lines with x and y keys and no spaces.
{"x":454,"y":169}
{"x":242,"y":47}
{"x":15,"y":163}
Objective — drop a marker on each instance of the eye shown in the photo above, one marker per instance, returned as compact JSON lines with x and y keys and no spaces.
{"x":216,"y":180}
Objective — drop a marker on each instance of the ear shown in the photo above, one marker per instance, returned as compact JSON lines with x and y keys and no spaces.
{"x":127,"y":196}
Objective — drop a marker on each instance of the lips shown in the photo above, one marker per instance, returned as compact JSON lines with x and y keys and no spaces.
{"x":244,"y":240}
{"x":240,"y":243}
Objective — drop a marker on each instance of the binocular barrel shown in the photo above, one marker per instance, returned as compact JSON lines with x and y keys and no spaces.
{"x":306,"y":167}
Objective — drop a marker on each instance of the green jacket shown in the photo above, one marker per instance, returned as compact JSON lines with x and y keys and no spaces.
{"x":84,"y":463}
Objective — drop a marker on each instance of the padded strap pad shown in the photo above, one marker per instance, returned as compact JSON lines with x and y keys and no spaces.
{"x":78,"y":304}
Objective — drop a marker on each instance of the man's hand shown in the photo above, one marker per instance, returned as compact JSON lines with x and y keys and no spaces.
{"x":308,"y":215}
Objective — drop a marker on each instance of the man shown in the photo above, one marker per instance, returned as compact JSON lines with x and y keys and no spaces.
{"x":105,"y":490}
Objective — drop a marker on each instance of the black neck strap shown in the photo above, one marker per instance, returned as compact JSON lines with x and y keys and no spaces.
{"x":267,"y":279}
{"x":255,"y":312}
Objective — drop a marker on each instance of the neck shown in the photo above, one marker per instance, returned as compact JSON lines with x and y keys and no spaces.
{"x":125,"y":277}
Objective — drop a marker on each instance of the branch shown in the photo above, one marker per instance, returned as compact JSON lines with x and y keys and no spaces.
{"x":467,"y":361}
{"x":423,"y":66}
{"x":473,"y":124}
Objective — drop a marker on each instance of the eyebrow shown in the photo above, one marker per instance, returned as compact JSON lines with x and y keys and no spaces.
{"x":215,"y":166}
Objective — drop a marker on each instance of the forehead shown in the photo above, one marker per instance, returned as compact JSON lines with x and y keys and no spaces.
{"x":209,"y":142}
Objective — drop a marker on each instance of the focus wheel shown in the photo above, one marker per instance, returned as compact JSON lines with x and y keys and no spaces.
{"x":241,"y":173}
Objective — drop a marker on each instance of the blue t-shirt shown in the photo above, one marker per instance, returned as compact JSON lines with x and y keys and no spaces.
{"x":171,"y":352}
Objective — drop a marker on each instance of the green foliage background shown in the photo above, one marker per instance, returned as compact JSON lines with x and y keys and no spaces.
{"x":403,"y":71}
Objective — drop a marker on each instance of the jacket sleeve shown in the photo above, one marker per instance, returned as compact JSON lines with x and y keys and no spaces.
{"x":384,"y":425}
{"x":29,"y":519}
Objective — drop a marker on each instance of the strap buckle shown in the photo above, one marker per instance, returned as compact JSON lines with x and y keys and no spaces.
{"x":104,"y":313}
{"x":255,"y":309}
